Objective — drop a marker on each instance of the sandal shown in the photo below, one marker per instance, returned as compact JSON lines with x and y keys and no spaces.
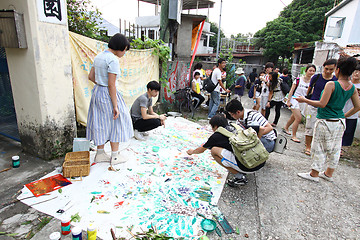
{"x":295,"y":140}
{"x":286,"y":131}
{"x":307,"y":152}
{"x":273,"y":124}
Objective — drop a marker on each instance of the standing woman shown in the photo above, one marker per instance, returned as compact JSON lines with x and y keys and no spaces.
{"x":275,"y":98}
{"x":351,"y":121}
{"x":298,"y":108}
{"x":330,"y":124}
{"x":108,"y":118}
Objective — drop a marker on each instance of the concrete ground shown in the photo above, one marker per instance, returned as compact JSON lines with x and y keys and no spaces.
{"x":275,"y":204}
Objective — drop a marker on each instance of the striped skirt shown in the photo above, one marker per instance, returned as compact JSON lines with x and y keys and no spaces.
{"x":101,"y":127}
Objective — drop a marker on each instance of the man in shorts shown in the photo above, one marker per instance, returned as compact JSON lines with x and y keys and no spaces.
{"x":143,"y":116}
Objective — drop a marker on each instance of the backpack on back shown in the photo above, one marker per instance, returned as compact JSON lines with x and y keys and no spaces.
{"x":209,"y":86}
{"x":246,"y":146}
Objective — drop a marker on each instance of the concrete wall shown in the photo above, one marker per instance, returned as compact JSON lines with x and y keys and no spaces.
{"x":184,"y":34}
{"x":351,"y":30}
{"x":41,"y":82}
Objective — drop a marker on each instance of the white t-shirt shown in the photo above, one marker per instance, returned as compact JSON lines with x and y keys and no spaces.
{"x":349,"y":105}
{"x":264,"y":87}
{"x":216,"y":76}
{"x":196,"y":81}
{"x":302,"y":88}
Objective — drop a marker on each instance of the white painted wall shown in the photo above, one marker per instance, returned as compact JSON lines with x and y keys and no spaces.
{"x":41,"y":81}
{"x":351,"y":12}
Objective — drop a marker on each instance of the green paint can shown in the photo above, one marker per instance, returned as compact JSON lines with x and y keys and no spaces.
{"x":15,"y":161}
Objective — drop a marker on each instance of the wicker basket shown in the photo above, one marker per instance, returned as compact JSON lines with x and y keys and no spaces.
{"x":76,"y":164}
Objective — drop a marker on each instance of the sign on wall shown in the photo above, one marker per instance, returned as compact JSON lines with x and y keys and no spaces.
{"x":52,"y":11}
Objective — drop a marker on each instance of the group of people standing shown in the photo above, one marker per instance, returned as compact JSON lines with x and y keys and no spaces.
{"x":324,"y":99}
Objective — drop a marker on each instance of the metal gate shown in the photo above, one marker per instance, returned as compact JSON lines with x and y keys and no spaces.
{"x":8,"y":123}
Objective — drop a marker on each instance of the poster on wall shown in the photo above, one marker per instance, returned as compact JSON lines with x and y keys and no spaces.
{"x":52,"y":11}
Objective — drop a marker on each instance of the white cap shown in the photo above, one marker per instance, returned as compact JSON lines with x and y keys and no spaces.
{"x":15,"y":158}
{"x":65,"y":219}
{"x":55,"y":236}
{"x":76,"y":230}
{"x":91,"y":227}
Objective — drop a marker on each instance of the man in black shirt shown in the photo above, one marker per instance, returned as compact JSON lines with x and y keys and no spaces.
{"x":222,"y":152}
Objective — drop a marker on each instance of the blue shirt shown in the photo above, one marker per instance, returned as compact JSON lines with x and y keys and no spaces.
{"x":240,"y":81}
{"x":104,"y":63}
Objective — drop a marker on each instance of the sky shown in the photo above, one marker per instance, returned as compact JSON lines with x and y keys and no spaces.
{"x":238,"y":16}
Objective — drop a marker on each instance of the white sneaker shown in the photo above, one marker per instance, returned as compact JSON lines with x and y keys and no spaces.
{"x":323,"y":176}
{"x":138,"y":136}
{"x":308,"y":177}
{"x":118,"y":159}
{"x":145,"y":134}
{"x":101,"y":157}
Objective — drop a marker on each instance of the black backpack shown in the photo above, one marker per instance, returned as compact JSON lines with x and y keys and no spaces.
{"x":209,"y":86}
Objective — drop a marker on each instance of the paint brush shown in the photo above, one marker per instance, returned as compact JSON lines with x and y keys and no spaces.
{"x":43,"y":201}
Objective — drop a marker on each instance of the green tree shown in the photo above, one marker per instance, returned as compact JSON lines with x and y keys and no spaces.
{"x":300,"y":21}
{"x":85,"y":19}
{"x":213,"y":40}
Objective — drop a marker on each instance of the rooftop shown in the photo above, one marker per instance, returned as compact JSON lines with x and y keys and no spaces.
{"x":188,"y":4}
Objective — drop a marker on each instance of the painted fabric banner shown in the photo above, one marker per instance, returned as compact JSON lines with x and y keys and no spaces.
{"x":178,"y":78}
{"x":160,"y":185}
{"x":137,"y":68}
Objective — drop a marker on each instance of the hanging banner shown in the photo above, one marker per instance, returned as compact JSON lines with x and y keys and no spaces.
{"x":137,"y":68}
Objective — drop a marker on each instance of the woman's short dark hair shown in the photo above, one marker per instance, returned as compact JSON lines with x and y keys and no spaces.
{"x":218,"y":120}
{"x":269,"y":65}
{"x":196,"y":73}
{"x":330,"y":62}
{"x":119,"y":42}
{"x":153,"y":85}
{"x":347,"y":65}
{"x":198,"y":66}
{"x":310,"y":66}
{"x":285,"y":71}
{"x":233,"y":106}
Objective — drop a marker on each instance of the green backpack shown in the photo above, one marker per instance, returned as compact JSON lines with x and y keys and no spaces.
{"x":246,"y":146}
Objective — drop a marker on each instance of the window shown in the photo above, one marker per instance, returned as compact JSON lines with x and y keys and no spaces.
{"x":335,"y":27}
{"x":151,"y":34}
{"x":205,"y":42}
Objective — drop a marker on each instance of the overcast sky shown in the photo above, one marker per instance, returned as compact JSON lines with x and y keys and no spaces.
{"x":238,"y":16}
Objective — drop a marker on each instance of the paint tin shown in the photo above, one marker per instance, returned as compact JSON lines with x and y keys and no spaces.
{"x":91,"y":232}
{"x":155,"y":148}
{"x":15,"y":161}
{"x":76,"y":233}
{"x":65,"y":225}
{"x":55,"y":236}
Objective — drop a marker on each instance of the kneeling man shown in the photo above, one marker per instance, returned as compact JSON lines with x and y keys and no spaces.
{"x":143,"y":116}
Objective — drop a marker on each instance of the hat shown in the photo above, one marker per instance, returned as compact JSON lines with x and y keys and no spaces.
{"x":239,"y":71}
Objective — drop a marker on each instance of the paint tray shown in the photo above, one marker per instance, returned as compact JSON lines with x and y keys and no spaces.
{"x":76,"y":164}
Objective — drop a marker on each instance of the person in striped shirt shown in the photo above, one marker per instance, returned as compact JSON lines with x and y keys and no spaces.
{"x":254,"y":119}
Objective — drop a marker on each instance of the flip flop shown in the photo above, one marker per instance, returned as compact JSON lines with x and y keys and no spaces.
{"x":273,"y":124}
{"x":307,"y":152}
{"x":286,"y":132}
{"x":295,"y":140}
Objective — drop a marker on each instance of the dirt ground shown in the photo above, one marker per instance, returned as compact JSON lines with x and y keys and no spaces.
{"x":351,"y":154}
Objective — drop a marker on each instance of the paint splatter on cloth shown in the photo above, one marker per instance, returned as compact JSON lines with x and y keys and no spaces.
{"x":165,"y":189}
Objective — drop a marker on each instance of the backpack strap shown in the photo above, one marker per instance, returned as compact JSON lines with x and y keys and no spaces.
{"x":224,"y":132}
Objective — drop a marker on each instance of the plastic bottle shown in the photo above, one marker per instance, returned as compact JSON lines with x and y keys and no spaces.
{"x":91,"y":232}
{"x":15,"y":161}
{"x":76,"y":233}
{"x":65,"y":225}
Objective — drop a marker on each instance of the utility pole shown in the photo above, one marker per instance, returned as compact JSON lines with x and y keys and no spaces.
{"x":218,"y":40}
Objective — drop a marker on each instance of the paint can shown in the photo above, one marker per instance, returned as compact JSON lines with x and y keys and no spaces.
{"x":76,"y":233}
{"x":65,"y":225}
{"x":91,"y":232}
{"x":55,"y":236}
{"x":15,"y":161}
